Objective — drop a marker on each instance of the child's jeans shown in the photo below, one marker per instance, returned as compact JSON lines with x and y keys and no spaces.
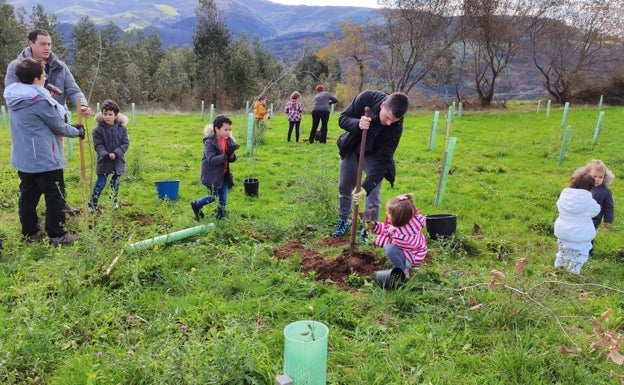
{"x":220,"y":194}
{"x":100,"y":183}
{"x":571,"y":256}
{"x":396,"y":256}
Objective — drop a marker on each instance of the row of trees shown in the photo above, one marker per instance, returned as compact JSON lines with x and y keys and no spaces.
{"x":475,"y":48}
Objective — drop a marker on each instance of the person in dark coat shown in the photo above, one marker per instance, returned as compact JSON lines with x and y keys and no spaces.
{"x":111,"y":142}
{"x":385,"y":127}
{"x":219,"y":147}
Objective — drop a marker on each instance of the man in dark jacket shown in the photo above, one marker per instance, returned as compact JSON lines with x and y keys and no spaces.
{"x":385,"y":126}
{"x":59,"y":80}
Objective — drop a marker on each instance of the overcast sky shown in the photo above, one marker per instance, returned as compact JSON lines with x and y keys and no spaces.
{"x":352,"y":3}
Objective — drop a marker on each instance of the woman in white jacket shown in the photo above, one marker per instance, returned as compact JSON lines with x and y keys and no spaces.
{"x":574,"y":227}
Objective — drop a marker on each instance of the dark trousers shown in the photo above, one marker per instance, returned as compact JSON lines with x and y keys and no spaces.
{"x":323,"y":118}
{"x":295,"y":125}
{"x":32,"y":186}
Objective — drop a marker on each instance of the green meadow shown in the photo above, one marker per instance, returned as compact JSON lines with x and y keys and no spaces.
{"x":211,"y":308}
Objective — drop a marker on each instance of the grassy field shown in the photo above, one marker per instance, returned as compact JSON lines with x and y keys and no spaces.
{"x":211,"y":309}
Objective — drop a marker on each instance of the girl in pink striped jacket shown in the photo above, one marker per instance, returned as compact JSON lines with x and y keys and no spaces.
{"x":401,"y":233}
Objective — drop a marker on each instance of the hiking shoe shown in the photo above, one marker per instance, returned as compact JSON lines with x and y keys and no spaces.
{"x":72,"y":211}
{"x":36,"y":236}
{"x":197,"y":211}
{"x":363,"y":236}
{"x":341,"y":228}
{"x":65,"y":239}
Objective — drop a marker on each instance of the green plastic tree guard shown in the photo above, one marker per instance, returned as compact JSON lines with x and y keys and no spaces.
{"x":167,"y":238}
{"x":305,"y":354}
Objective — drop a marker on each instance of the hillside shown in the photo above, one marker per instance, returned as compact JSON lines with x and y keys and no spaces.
{"x":174,"y":20}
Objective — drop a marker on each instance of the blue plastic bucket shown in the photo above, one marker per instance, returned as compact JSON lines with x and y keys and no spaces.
{"x":168,"y":189}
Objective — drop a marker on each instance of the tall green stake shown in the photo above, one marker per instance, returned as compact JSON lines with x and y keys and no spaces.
{"x":446,"y":164}
{"x":598,"y":126}
{"x":201,"y":116}
{"x":548,"y":108}
{"x":434,"y":129}
{"x":212,"y":111}
{"x":133,"y":113}
{"x":250,"y":133}
{"x":564,"y":118}
{"x":564,"y":144}
{"x":539,"y":104}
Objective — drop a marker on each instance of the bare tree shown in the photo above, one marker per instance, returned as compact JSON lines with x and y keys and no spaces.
{"x":574,"y":39}
{"x":493,"y":31}
{"x":414,"y":36}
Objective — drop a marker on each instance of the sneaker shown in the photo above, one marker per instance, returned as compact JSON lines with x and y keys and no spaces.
{"x":363,"y":236}
{"x":65,"y":239}
{"x":72,"y":211}
{"x":36,"y":236}
{"x":341,"y":228}
{"x":197,"y":211}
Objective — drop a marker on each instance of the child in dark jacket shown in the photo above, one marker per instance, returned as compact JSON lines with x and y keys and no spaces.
{"x":219,"y":149}
{"x":111,"y":142}
{"x":401,"y":233}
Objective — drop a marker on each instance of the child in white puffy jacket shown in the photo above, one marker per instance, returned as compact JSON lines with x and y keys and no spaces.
{"x":574,"y":227}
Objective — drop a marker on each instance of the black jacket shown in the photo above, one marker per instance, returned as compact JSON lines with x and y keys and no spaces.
{"x":381,"y":141}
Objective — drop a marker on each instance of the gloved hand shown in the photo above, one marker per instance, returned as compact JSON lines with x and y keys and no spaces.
{"x":370,"y":225}
{"x":230,"y":150}
{"x":359,"y":196}
{"x":81,"y":131}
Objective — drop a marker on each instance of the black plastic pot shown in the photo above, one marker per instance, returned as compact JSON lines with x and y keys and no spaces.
{"x":390,"y":279}
{"x":441,"y":225}
{"x":251,"y":186}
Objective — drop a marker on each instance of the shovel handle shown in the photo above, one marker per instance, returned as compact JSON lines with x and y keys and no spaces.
{"x":358,"y":184}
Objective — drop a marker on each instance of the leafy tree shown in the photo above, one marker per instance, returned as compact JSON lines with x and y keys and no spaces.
{"x":353,"y":53}
{"x":173,"y":83}
{"x":86,"y":53}
{"x":240,"y":73}
{"x":211,"y":44}
{"x":12,"y":37}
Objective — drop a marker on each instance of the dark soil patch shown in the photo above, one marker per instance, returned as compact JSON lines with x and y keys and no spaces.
{"x":334,"y":268}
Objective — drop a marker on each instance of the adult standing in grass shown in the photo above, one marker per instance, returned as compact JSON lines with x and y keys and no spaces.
{"x":385,"y":127}
{"x":219,"y":147}
{"x":320,"y":113}
{"x":37,"y":124}
{"x":110,"y":141}
{"x":574,"y":227}
{"x":59,"y":80}
{"x":294,"y":111}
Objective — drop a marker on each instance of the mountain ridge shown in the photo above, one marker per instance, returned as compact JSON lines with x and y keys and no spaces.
{"x":174,"y":20}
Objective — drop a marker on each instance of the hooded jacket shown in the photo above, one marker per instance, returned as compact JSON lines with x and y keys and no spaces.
{"x":576,"y":210}
{"x":111,"y":139}
{"x":215,"y":169}
{"x":58,"y":74}
{"x":37,"y":122}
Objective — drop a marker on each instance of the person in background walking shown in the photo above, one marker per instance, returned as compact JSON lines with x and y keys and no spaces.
{"x":110,"y":140}
{"x":38,"y":123}
{"x":219,"y":149}
{"x":260,"y":111}
{"x":400,"y":234}
{"x":574,"y":227}
{"x":385,"y":127}
{"x":294,"y":111}
{"x":320,"y":113}
{"x":59,"y":81}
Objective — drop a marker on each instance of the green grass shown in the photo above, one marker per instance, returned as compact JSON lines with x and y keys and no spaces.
{"x":211,"y":309}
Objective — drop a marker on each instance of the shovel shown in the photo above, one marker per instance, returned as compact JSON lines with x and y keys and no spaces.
{"x":358,"y":185}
